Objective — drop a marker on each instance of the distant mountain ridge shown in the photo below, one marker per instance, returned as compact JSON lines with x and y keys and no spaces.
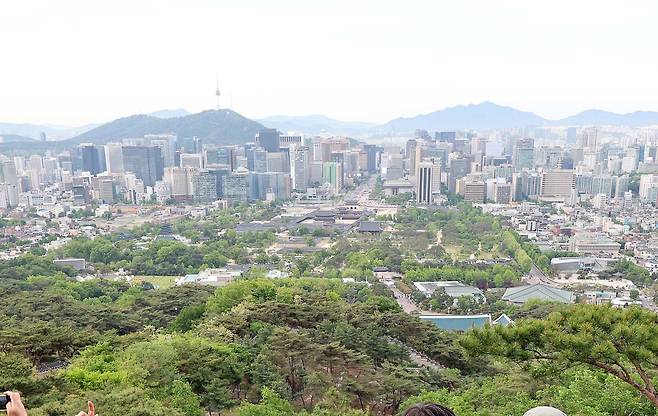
{"x":473,"y":116}
{"x":213,"y":126}
{"x":227,"y":126}
{"x":315,"y":124}
{"x":486,"y":115}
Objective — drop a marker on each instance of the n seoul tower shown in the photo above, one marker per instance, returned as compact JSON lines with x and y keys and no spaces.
{"x":217,"y":94}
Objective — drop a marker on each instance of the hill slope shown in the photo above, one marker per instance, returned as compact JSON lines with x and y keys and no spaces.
{"x":214,"y":126}
{"x":14,"y":138}
{"x":601,"y":117}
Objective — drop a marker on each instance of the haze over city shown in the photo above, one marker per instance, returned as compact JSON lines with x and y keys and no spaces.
{"x":78,"y":62}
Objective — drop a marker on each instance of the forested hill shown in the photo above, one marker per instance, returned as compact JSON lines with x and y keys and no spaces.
{"x":214,"y":126}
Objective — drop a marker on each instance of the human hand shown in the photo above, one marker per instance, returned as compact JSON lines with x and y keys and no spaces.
{"x":91,"y":411}
{"x":15,"y":406}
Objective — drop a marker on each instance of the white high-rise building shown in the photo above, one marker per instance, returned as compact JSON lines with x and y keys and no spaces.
{"x":299,"y":167}
{"x":436,"y":176}
{"x":648,"y":188}
{"x":134,"y":184}
{"x":35,"y":170}
{"x":8,"y":172}
{"x":424,"y":182}
{"x":19,"y":163}
{"x":629,"y":164}
{"x":113,"y":158}
{"x":180,"y":182}
{"x":600,"y":201}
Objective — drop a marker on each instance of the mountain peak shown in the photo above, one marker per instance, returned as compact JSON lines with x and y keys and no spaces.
{"x":178,"y":112}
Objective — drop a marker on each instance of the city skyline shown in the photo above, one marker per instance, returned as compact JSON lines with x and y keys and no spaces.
{"x":368,"y":62}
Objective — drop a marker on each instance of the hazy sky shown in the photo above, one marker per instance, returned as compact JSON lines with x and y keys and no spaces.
{"x":75,"y":62}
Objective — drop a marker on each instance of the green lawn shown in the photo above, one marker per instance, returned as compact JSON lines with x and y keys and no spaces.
{"x":160,"y":282}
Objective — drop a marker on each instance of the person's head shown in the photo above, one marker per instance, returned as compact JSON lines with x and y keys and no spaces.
{"x":544,"y":411}
{"x":428,"y":409}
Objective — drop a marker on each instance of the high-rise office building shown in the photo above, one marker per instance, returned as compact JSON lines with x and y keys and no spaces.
{"x":180,"y":182}
{"x":258,"y":160}
{"x":189,"y":145}
{"x":9,"y":183}
{"x":204,"y":186}
{"x":474,"y":191}
{"x":588,"y":138}
{"x":602,"y":184}
{"x":113,"y":158}
{"x":478,"y":149}
{"x":220,"y":173}
{"x":299,"y":167}
{"x":460,"y":166}
{"x":557,"y":183}
{"x":530,"y":184}
{"x":269,"y":139}
{"x":372,"y":157}
{"x":277,"y":162}
{"x":167,"y":145}
{"x":90,"y":159}
{"x":523,"y":154}
{"x":145,"y":162}
{"x":621,"y":186}
{"x":35,"y":171}
{"x":648,"y":190}
{"x":445,"y":136}
{"x":572,"y":135}
{"x":332,"y":173}
{"x":105,"y":190}
{"x":269,"y":185}
{"x":424,"y":183}
{"x":236,"y":187}
{"x":502,"y":193}
{"x":227,"y":155}
{"x":584,"y":183}
{"x":8,"y":173}
{"x":410,"y":154}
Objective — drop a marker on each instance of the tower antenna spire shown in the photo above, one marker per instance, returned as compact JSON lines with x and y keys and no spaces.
{"x":217,"y":93}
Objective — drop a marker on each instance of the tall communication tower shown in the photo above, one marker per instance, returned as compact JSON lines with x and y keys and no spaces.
{"x":217,"y":94}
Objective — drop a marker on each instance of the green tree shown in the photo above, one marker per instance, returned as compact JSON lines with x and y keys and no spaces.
{"x":620,"y":342}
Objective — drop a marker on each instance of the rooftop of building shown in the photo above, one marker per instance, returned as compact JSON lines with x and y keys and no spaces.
{"x":523,"y":294}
